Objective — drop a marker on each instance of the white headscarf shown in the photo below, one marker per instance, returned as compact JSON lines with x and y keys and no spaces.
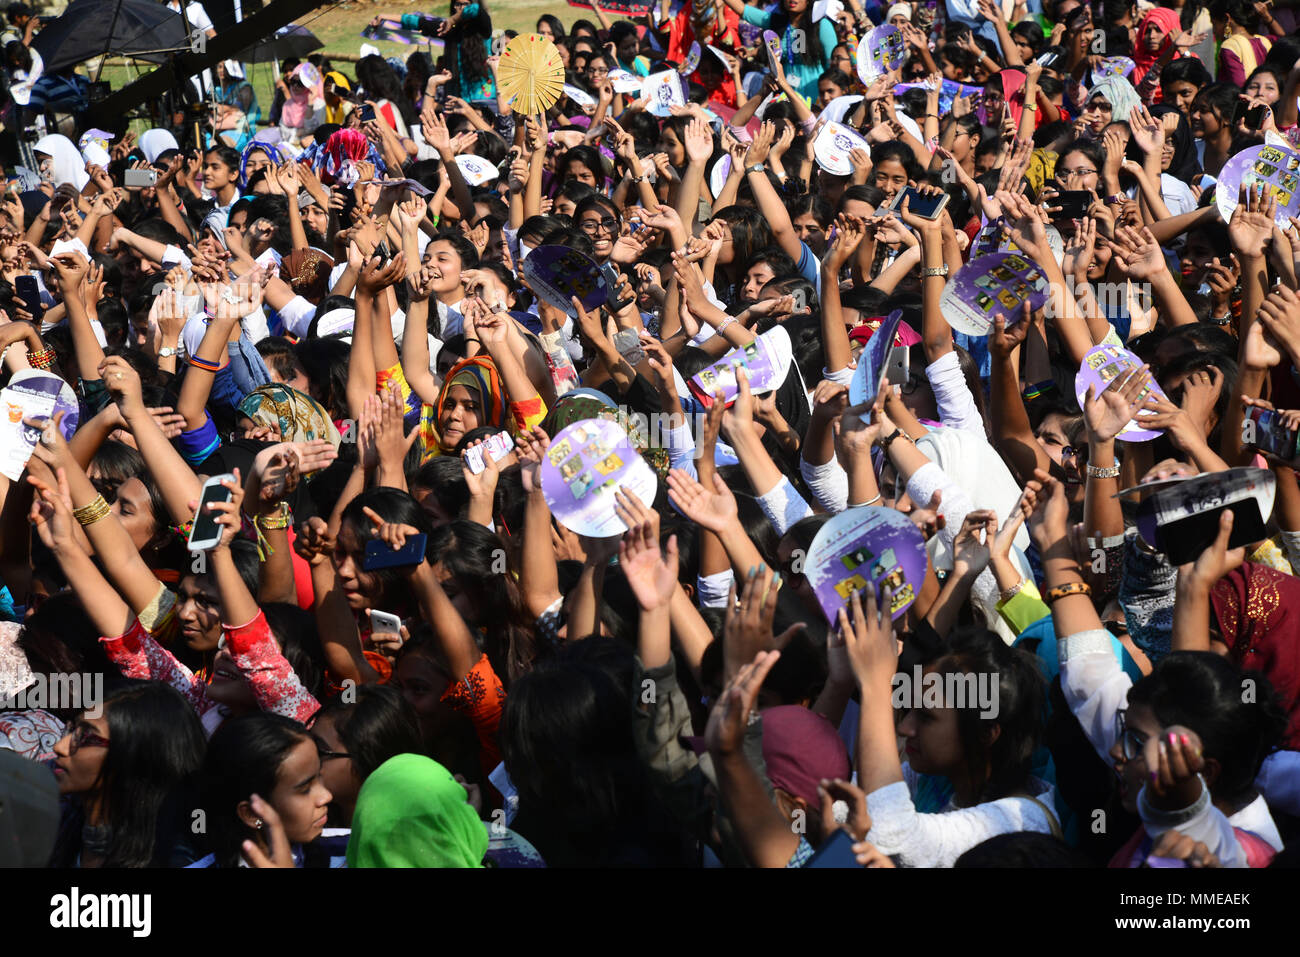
{"x":68,"y":166}
{"x":155,"y":142}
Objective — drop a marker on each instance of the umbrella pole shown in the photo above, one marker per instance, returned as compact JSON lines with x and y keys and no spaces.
{"x":108,"y":41}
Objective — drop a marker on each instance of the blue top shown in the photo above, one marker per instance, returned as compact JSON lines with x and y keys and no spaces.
{"x":802,"y":76}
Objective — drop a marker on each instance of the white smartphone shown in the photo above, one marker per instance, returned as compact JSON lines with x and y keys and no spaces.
{"x":206,"y":532}
{"x":498,"y":446}
{"x":381,"y":622}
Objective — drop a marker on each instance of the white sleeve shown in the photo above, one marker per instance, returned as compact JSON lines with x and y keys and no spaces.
{"x":296,"y":317}
{"x":953,"y":505}
{"x":173,"y":255}
{"x":713,"y":589}
{"x":839,"y":376}
{"x":829,"y":484}
{"x":783,"y":506}
{"x":937,"y":840}
{"x":681,"y":449}
{"x":1202,"y":821}
{"x":1279,"y":781}
{"x":1094,"y":684}
{"x":957,"y":408}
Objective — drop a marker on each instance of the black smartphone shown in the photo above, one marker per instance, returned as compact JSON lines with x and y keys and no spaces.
{"x":367,"y":113}
{"x":836,"y":852}
{"x":383,"y":252}
{"x":1264,"y":430}
{"x":1253,"y":118}
{"x":927,"y":206}
{"x":379,"y":555}
{"x":1073,"y":203}
{"x":30,"y":293}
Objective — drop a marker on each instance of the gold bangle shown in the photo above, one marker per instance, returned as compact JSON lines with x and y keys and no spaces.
{"x":93,"y":512}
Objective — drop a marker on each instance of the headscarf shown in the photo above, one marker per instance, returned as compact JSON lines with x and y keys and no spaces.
{"x":307,"y":272}
{"x":480,"y":376}
{"x":412,"y":813}
{"x":1119,"y":93}
{"x":1184,"y":164}
{"x":297,"y":108}
{"x":343,"y":146}
{"x":299,"y":417}
{"x":801,"y":748}
{"x":155,"y":142}
{"x":1013,"y":91}
{"x":270,"y":149}
{"x":68,"y":165}
{"x":1258,"y":611}
{"x":1168,"y":21}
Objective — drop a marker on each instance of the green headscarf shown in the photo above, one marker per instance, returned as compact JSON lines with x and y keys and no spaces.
{"x":412,"y":813}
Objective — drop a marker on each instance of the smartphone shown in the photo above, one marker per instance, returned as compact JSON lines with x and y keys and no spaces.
{"x":920,"y":204}
{"x":141,"y":177}
{"x":383,"y":252}
{"x":1253,"y":118}
{"x":368,"y":113}
{"x":379,"y":555}
{"x":1074,"y":203}
{"x":614,"y":303}
{"x":381,"y":622}
{"x":498,"y":446}
{"x":836,"y":852}
{"x":1269,"y":435}
{"x":898,"y":367}
{"x":206,"y":532}
{"x":29,"y":292}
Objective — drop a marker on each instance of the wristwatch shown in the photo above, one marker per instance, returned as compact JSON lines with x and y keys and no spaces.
{"x":166,"y":352}
{"x":756,"y":168}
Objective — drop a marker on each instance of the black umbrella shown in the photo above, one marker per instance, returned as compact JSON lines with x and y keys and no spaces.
{"x":288,"y":42}
{"x":91,"y":28}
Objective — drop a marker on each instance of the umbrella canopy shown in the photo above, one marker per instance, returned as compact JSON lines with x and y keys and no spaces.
{"x":90,"y":28}
{"x":291,"y":41}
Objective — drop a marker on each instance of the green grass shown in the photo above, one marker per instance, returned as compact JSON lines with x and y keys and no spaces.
{"x":339,"y":28}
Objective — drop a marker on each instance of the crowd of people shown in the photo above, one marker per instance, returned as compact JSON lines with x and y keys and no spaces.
{"x":339,"y":620}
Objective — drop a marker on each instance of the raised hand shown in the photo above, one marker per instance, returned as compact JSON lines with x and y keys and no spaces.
{"x":714,"y":509}
{"x":725,"y":733}
{"x":652,"y":576}
{"x":1107,"y":414}
{"x":1251,"y":226}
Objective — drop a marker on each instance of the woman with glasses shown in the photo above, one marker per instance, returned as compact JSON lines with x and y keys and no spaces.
{"x":1109,"y":101}
{"x":355,"y":737}
{"x":1185,"y":742}
{"x":599,"y":220}
{"x":129,"y":771}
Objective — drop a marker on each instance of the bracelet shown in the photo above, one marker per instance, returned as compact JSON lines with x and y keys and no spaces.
{"x":207,"y":365}
{"x":1221,"y":320}
{"x":1063,"y":591}
{"x":280,"y":518}
{"x":1013,"y":591}
{"x":91,"y":513}
{"x":472,"y":339}
{"x":1097,"y":472}
{"x":870,"y":501}
{"x":935,"y":270}
{"x":41,"y":358}
{"x":723,"y":324}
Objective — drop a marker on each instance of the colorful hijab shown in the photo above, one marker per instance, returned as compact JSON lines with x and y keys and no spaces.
{"x":343,"y":146}
{"x":480,"y":376}
{"x":1168,"y":22}
{"x":1119,"y":93}
{"x":270,"y":149}
{"x":1258,"y":612}
{"x":412,"y":813}
{"x":299,"y":417}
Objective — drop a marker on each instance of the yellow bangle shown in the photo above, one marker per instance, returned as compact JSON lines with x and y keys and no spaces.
{"x":93,"y":512}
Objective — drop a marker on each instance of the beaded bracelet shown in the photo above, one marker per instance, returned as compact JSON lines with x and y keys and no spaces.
{"x":41,"y":358}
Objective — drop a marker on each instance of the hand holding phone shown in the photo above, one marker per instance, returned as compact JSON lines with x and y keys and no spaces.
{"x":206,"y":532}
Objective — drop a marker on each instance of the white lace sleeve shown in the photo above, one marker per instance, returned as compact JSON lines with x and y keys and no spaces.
{"x":937,"y":840}
{"x":1094,"y":685}
{"x":829,"y":484}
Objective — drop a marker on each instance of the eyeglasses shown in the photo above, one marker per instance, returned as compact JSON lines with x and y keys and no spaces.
{"x":598,"y":70}
{"x":592,"y":226}
{"x":1131,"y":742}
{"x":1077,"y":171}
{"x":1117,"y":628}
{"x":84,"y":736}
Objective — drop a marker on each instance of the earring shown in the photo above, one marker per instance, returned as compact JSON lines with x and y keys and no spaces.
{"x":259,"y":824}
